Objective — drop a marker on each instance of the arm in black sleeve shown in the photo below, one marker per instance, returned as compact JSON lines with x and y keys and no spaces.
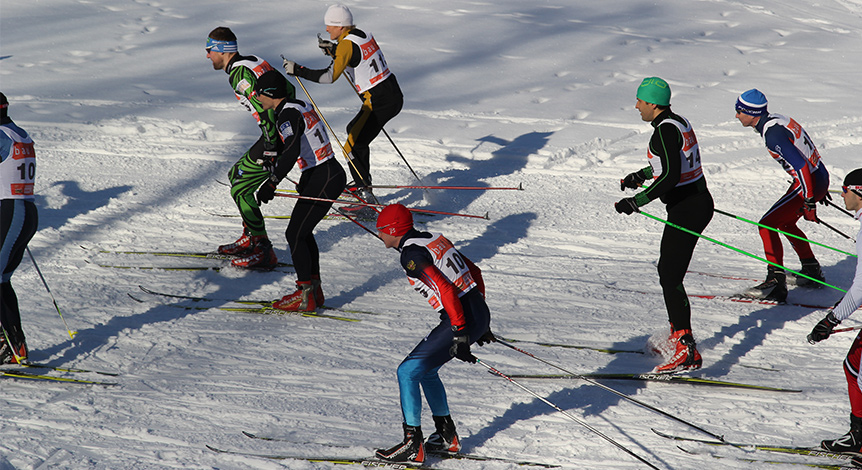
{"x":666,"y":144}
{"x":291,"y":122}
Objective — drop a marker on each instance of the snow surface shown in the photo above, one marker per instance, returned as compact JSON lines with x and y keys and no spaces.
{"x":134,"y":130}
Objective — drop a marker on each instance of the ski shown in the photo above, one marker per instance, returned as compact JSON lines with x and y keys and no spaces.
{"x":40,"y":365}
{"x":667,"y":378}
{"x":809,"y":451}
{"x":441,"y":454}
{"x":730,"y":298}
{"x":572,"y":346}
{"x":49,"y":378}
{"x":247,"y":302}
{"x":365,"y":462}
{"x":826,"y":466}
{"x":179,"y":254}
{"x":262,"y":309}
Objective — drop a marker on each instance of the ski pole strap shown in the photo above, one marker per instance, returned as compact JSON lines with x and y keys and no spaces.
{"x":692,"y":232}
{"x":789,"y":234}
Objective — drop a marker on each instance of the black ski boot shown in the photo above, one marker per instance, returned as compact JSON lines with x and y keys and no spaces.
{"x":411,"y":449}
{"x":773,"y":288}
{"x":811,"y":268}
{"x":850,"y":442}
{"x":444,"y":439}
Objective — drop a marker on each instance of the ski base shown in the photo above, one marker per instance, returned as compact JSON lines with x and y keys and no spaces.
{"x":667,"y":378}
{"x":49,"y":378}
{"x":808,"y":451}
{"x":369,"y":462}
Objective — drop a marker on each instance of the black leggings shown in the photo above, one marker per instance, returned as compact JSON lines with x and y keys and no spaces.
{"x":18,"y":222}
{"x":677,"y":247}
{"x":378,"y":107}
{"x":325,"y":181}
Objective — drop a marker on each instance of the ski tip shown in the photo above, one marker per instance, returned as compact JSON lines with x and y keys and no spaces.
{"x":520,"y":186}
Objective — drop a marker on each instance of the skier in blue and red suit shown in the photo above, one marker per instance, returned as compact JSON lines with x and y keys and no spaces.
{"x":793,"y":149}
{"x":453,"y":285}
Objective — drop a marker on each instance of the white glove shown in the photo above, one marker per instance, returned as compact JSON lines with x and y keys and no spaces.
{"x":289,"y":67}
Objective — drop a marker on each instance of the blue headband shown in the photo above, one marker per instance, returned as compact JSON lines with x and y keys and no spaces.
{"x":221,"y":46}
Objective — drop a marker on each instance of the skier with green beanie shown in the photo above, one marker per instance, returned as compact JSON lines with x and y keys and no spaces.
{"x":674,"y":167}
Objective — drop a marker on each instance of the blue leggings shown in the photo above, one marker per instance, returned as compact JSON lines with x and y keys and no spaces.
{"x":420,"y":367}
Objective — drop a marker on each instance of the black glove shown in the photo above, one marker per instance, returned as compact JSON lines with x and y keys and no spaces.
{"x":826,"y":199}
{"x":626,"y":206}
{"x":632,"y":180}
{"x":809,"y":209}
{"x":267,"y":191}
{"x":823,"y":329}
{"x":488,"y":337}
{"x":461,"y":345}
{"x":326,"y":46}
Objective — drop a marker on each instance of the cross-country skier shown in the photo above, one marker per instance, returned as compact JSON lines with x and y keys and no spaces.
{"x":305,"y":143}
{"x":453,"y":285}
{"x":674,"y":159}
{"x":852,"y":441}
{"x":18,"y":222}
{"x":793,"y":149}
{"x":253,"y":248}
{"x":356,"y":53}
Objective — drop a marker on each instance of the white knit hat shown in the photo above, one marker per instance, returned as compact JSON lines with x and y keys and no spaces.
{"x":338,"y":15}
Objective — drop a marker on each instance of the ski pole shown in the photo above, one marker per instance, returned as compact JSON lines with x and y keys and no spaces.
{"x":334,"y":136}
{"x":839,"y":208}
{"x":566,"y":414}
{"x":615,"y":392}
{"x":839,"y":232}
{"x":783,"y":232}
{"x":353,"y":85}
{"x":336,"y":201}
{"x":692,"y":232}
{"x":71,"y":333}
{"x":480,"y":188}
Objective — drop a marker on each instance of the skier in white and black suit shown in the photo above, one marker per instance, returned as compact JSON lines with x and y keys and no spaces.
{"x":852,"y":441}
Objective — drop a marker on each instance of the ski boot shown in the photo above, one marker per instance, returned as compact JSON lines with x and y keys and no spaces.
{"x":261,"y":256}
{"x":444,"y":438}
{"x":318,"y":291}
{"x":238,"y":248}
{"x":850,"y":442}
{"x":811,"y":268}
{"x":773,"y":288}
{"x":300,"y":301}
{"x":411,"y":449}
{"x":685,"y":357}
{"x":12,"y":353}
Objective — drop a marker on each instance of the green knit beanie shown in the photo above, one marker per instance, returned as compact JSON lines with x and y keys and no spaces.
{"x":654,"y":90}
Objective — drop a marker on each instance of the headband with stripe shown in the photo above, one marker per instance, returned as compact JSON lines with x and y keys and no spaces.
{"x":217,"y":45}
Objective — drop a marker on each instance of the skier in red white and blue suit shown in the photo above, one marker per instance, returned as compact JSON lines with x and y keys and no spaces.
{"x":790,"y":146}
{"x":453,"y":285}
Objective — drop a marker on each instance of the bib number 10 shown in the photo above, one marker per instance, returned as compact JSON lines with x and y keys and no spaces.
{"x":28,"y":170}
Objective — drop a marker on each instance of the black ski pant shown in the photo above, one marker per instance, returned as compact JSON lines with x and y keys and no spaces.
{"x":325,"y":181}
{"x":380,"y":104}
{"x":18,"y":222}
{"x":677,"y":247}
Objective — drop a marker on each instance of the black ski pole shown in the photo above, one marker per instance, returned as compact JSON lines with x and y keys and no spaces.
{"x":568,"y":415}
{"x":839,"y":208}
{"x":839,"y":232}
{"x":615,"y":392}
{"x":71,"y":333}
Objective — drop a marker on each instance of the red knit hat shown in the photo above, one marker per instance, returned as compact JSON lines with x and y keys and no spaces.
{"x":395,"y":220}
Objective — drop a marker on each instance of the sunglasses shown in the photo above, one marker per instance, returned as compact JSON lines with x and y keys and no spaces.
{"x":855,"y":188}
